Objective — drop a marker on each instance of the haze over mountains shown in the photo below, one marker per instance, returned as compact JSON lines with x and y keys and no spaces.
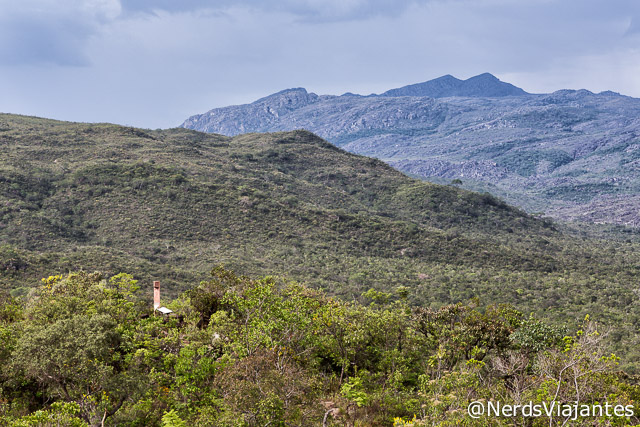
{"x":571,"y":154}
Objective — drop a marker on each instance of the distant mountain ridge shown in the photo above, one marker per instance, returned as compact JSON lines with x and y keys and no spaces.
{"x":267,"y":111}
{"x":483,"y":85}
{"x":571,"y":154}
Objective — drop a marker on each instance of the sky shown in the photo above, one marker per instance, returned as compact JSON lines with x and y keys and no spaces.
{"x":152,"y":64}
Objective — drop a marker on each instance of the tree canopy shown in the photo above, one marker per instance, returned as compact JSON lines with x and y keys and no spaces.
{"x":85,"y":350}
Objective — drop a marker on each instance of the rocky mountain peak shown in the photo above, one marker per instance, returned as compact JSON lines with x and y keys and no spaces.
{"x":289,"y":98}
{"x":483,"y":85}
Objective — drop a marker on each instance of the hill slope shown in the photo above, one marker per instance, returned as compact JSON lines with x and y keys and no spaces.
{"x":185,"y":198}
{"x":570,"y":154}
{"x":172,"y":204}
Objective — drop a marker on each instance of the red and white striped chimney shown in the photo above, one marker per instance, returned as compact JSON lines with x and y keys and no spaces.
{"x":156,"y":294}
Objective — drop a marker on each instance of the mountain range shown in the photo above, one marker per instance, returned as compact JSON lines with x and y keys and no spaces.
{"x":484,"y":85}
{"x":571,"y":154}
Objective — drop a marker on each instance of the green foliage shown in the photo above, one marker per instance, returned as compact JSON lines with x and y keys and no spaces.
{"x":10,"y":309}
{"x":87,"y":351}
{"x":457,"y":333}
{"x":354,"y":391}
{"x":60,"y":414}
{"x":76,"y":350}
{"x":171,"y":419}
{"x":534,"y":335}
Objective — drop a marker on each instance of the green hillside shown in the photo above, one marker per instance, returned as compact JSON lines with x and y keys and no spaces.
{"x":171,"y":204}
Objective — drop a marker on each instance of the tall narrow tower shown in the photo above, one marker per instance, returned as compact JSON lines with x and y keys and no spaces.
{"x":156,"y":295}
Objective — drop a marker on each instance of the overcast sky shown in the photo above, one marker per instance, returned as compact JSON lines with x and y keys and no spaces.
{"x":154,"y":63}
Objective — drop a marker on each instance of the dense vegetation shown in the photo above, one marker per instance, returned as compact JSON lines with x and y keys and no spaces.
{"x":170,"y":204}
{"x":166,"y":202}
{"x":82,"y":350}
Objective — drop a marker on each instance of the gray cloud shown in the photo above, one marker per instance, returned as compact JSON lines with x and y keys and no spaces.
{"x":170,"y":5}
{"x":634,"y":26}
{"x":50,"y":32}
{"x":153,"y":63}
{"x":42,"y":41}
{"x":309,"y":10}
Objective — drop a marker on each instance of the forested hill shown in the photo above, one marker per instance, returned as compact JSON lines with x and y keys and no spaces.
{"x":171,"y":204}
{"x":187,"y":200}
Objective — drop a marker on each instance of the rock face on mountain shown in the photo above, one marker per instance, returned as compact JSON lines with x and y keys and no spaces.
{"x":569,"y":154}
{"x":263,"y":113}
